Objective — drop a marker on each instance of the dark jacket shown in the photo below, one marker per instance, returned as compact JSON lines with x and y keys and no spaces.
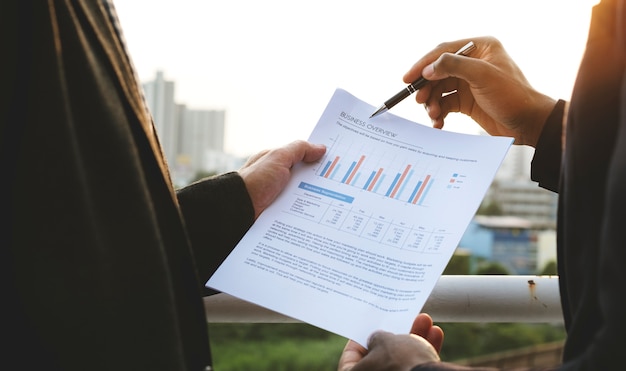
{"x":102,"y":263}
{"x":590,"y":176}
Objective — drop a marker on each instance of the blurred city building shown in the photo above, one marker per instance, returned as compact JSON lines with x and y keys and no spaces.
{"x":515,"y":194}
{"x":515,"y":226}
{"x":509,"y":241}
{"x":192,"y":139}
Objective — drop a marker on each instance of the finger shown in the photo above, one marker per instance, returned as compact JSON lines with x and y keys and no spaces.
{"x":448,"y":47}
{"x":425,"y":347}
{"x":435,"y":337}
{"x":442,"y":88}
{"x":450,"y":103}
{"x":378,"y":337}
{"x":440,"y":103}
{"x":375,"y":354}
{"x":304,"y":151}
{"x":423,"y":94}
{"x":433,"y":108}
{"x":453,"y":65}
{"x":314,"y":153}
{"x":351,"y":355}
{"x":254,"y":158}
{"x":422,"y":324}
{"x":435,"y":89}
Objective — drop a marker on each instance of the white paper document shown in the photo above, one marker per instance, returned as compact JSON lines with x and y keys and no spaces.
{"x":357,"y":241}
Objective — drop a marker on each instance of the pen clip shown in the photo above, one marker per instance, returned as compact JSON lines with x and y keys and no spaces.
{"x":466,"y":49}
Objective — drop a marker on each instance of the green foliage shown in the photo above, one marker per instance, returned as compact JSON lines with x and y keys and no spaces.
{"x":549,"y":269}
{"x":301,"y":347}
{"x":279,"y":347}
{"x":459,"y":264}
{"x":493,"y":268}
{"x":465,"y":340}
{"x":267,"y":331}
{"x":489,"y":208}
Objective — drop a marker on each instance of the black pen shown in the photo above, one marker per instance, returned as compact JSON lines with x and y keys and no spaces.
{"x":416,"y":85}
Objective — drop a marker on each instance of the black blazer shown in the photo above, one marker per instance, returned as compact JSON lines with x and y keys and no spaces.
{"x":102,"y":263}
{"x":589,"y":172}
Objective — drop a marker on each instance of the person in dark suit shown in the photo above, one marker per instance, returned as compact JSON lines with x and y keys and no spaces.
{"x":102,"y":261}
{"x":580,"y":152}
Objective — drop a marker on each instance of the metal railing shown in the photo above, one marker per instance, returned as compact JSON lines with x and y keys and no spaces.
{"x":488,"y":298}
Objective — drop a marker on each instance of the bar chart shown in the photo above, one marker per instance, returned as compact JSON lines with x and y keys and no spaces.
{"x":405,"y":175}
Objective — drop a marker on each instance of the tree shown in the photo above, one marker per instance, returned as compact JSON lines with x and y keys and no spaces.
{"x":490,"y":207}
{"x":494,"y":268}
{"x":549,"y":269}
{"x":458,"y":265}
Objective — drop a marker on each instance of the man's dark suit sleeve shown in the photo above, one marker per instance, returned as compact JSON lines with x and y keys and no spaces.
{"x":546,"y":163}
{"x":217,"y":213}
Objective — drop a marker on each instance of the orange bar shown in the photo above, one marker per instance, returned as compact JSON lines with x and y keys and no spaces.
{"x":380,"y":171}
{"x":332,"y":166}
{"x":406,"y":171}
{"x":355,"y":169}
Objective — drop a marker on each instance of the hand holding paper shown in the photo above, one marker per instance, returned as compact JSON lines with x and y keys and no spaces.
{"x":356,"y":241}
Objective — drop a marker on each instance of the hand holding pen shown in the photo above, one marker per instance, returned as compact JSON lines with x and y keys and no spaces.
{"x":416,"y":85}
{"x":489,"y":87}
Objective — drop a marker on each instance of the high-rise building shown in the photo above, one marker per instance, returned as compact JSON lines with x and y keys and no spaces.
{"x":522,"y":236}
{"x":190,"y":138}
{"x":517,"y":195}
{"x":159,"y":95}
{"x":201,"y":131}
{"x":516,"y":164}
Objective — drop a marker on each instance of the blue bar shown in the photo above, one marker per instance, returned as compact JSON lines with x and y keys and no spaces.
{"x":393,"y":185}
{"x":426,"y":191}
{"x":332,"y":176}
{"x":369,"y":180}
{"x":326,"y":192}
{"x":325,"y":168}
{"x":356,"y":177}
{"x":345,"y":177}
{"x":417,"y":187}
